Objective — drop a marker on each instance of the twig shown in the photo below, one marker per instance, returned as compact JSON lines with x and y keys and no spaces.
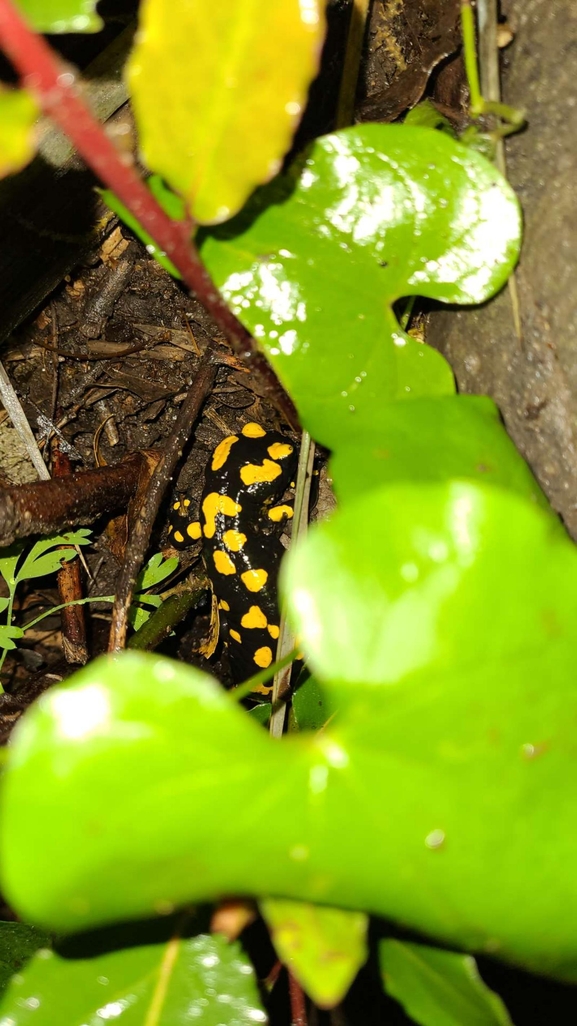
{"x":491,"y":88}
{"x":286,"y":641}
{"x":164,"y":619}
{"x":354,"y":49}
{"x":160,"y":479}
{"x":13,"y":407}
{"x":297,"y":1001}
{"x":52,"y":82}
{"x":69,"y":581}
{"x":45,"y":507}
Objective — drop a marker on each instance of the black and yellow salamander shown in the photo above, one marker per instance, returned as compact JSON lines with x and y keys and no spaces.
{"x":242,"y":514}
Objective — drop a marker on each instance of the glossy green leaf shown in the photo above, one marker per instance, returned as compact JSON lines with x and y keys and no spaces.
{"x":203,"y":980}
{"x":430,"y":440}
{"x":439,"y":988}
{"x":18,"y":942}
{"x":445,"y":802}
{"x":18,"y":113}
{"x":217,"y":92}
{"x":56,"y":16}
{"x":315,"y":261}
{"x":377,"y":604}
{"x":324,"y":948}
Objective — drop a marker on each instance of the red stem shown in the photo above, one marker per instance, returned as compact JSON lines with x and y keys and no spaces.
{"x":53,"y":84}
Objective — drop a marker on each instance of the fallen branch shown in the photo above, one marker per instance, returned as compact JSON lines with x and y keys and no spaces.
{"x":136,"y":548}
{"x":48,"y":507}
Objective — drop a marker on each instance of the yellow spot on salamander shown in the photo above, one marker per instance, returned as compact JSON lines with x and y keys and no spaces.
{"x":223,"y":604}
{"x":223,"y":562}
{"x":193,"y":530}
{"x":263,"y":657}
{"x":178,"y":537}
{"x":273,"y":630}
{"x":254,"y":618}
{"x":236,"y":636}
{"x":212,"y":505}
{"x":222,"y":452}
{"x":176,"y":507}
{"x":234,"y":540}
{"x":254,"y":580}
{"x":278,"y":450}
{"x":262,"y":689}
{"x":253,"y":430}
{"x":254,"y":473}
{"x":186,"y":503}
{"x":169,"y":528}
{"x":278,"y":513}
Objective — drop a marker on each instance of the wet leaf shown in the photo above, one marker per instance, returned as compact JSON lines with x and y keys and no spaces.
{"x":439,"y":988}
{"x":316,"y":260}
{"x":420,"y":802}
{"x":18,"y":113}
{"x":217,"y":93}
{"x":200,"y":979}
{"x":324,"y":948}
{"x":56,"y":16}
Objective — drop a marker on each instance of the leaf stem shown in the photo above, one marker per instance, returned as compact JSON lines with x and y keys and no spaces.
{"x":53,"y":84}
{"x":65,"y":605}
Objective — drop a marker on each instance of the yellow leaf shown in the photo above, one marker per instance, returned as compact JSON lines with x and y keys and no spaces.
{"x":218,"y":89}
{"x":18,"y":112}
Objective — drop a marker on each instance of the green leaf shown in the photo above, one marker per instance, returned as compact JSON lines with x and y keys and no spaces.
{"x":311,"y":704}
{"x":439,"y":988}
{"x":315,"y":261}
{"x":200,"y":979}
{"x":219,"y":127}
{"x":172,"y":204}
{"x":8,"y":562}
{"x":426,"y":115}
{"x":419,"y":587}
{"x":137,"y":616}
{"x":9,"y":635}
{"x":260,"y":713}
{"x":56,"y":16}
{"x":156,"y":570}
{"x":397,"y":444}
{"x":18,"y":942}
{"x":4,"y":603}
{"x":38,"y":565}
{"x":118,"y":207}
{"x":443,"y":801}
{"x":324,"y":948}
{"x":40,"y":561}
{"x":18,"y":113}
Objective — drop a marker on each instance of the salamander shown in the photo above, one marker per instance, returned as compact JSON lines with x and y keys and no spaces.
{"x":242,"y":513}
